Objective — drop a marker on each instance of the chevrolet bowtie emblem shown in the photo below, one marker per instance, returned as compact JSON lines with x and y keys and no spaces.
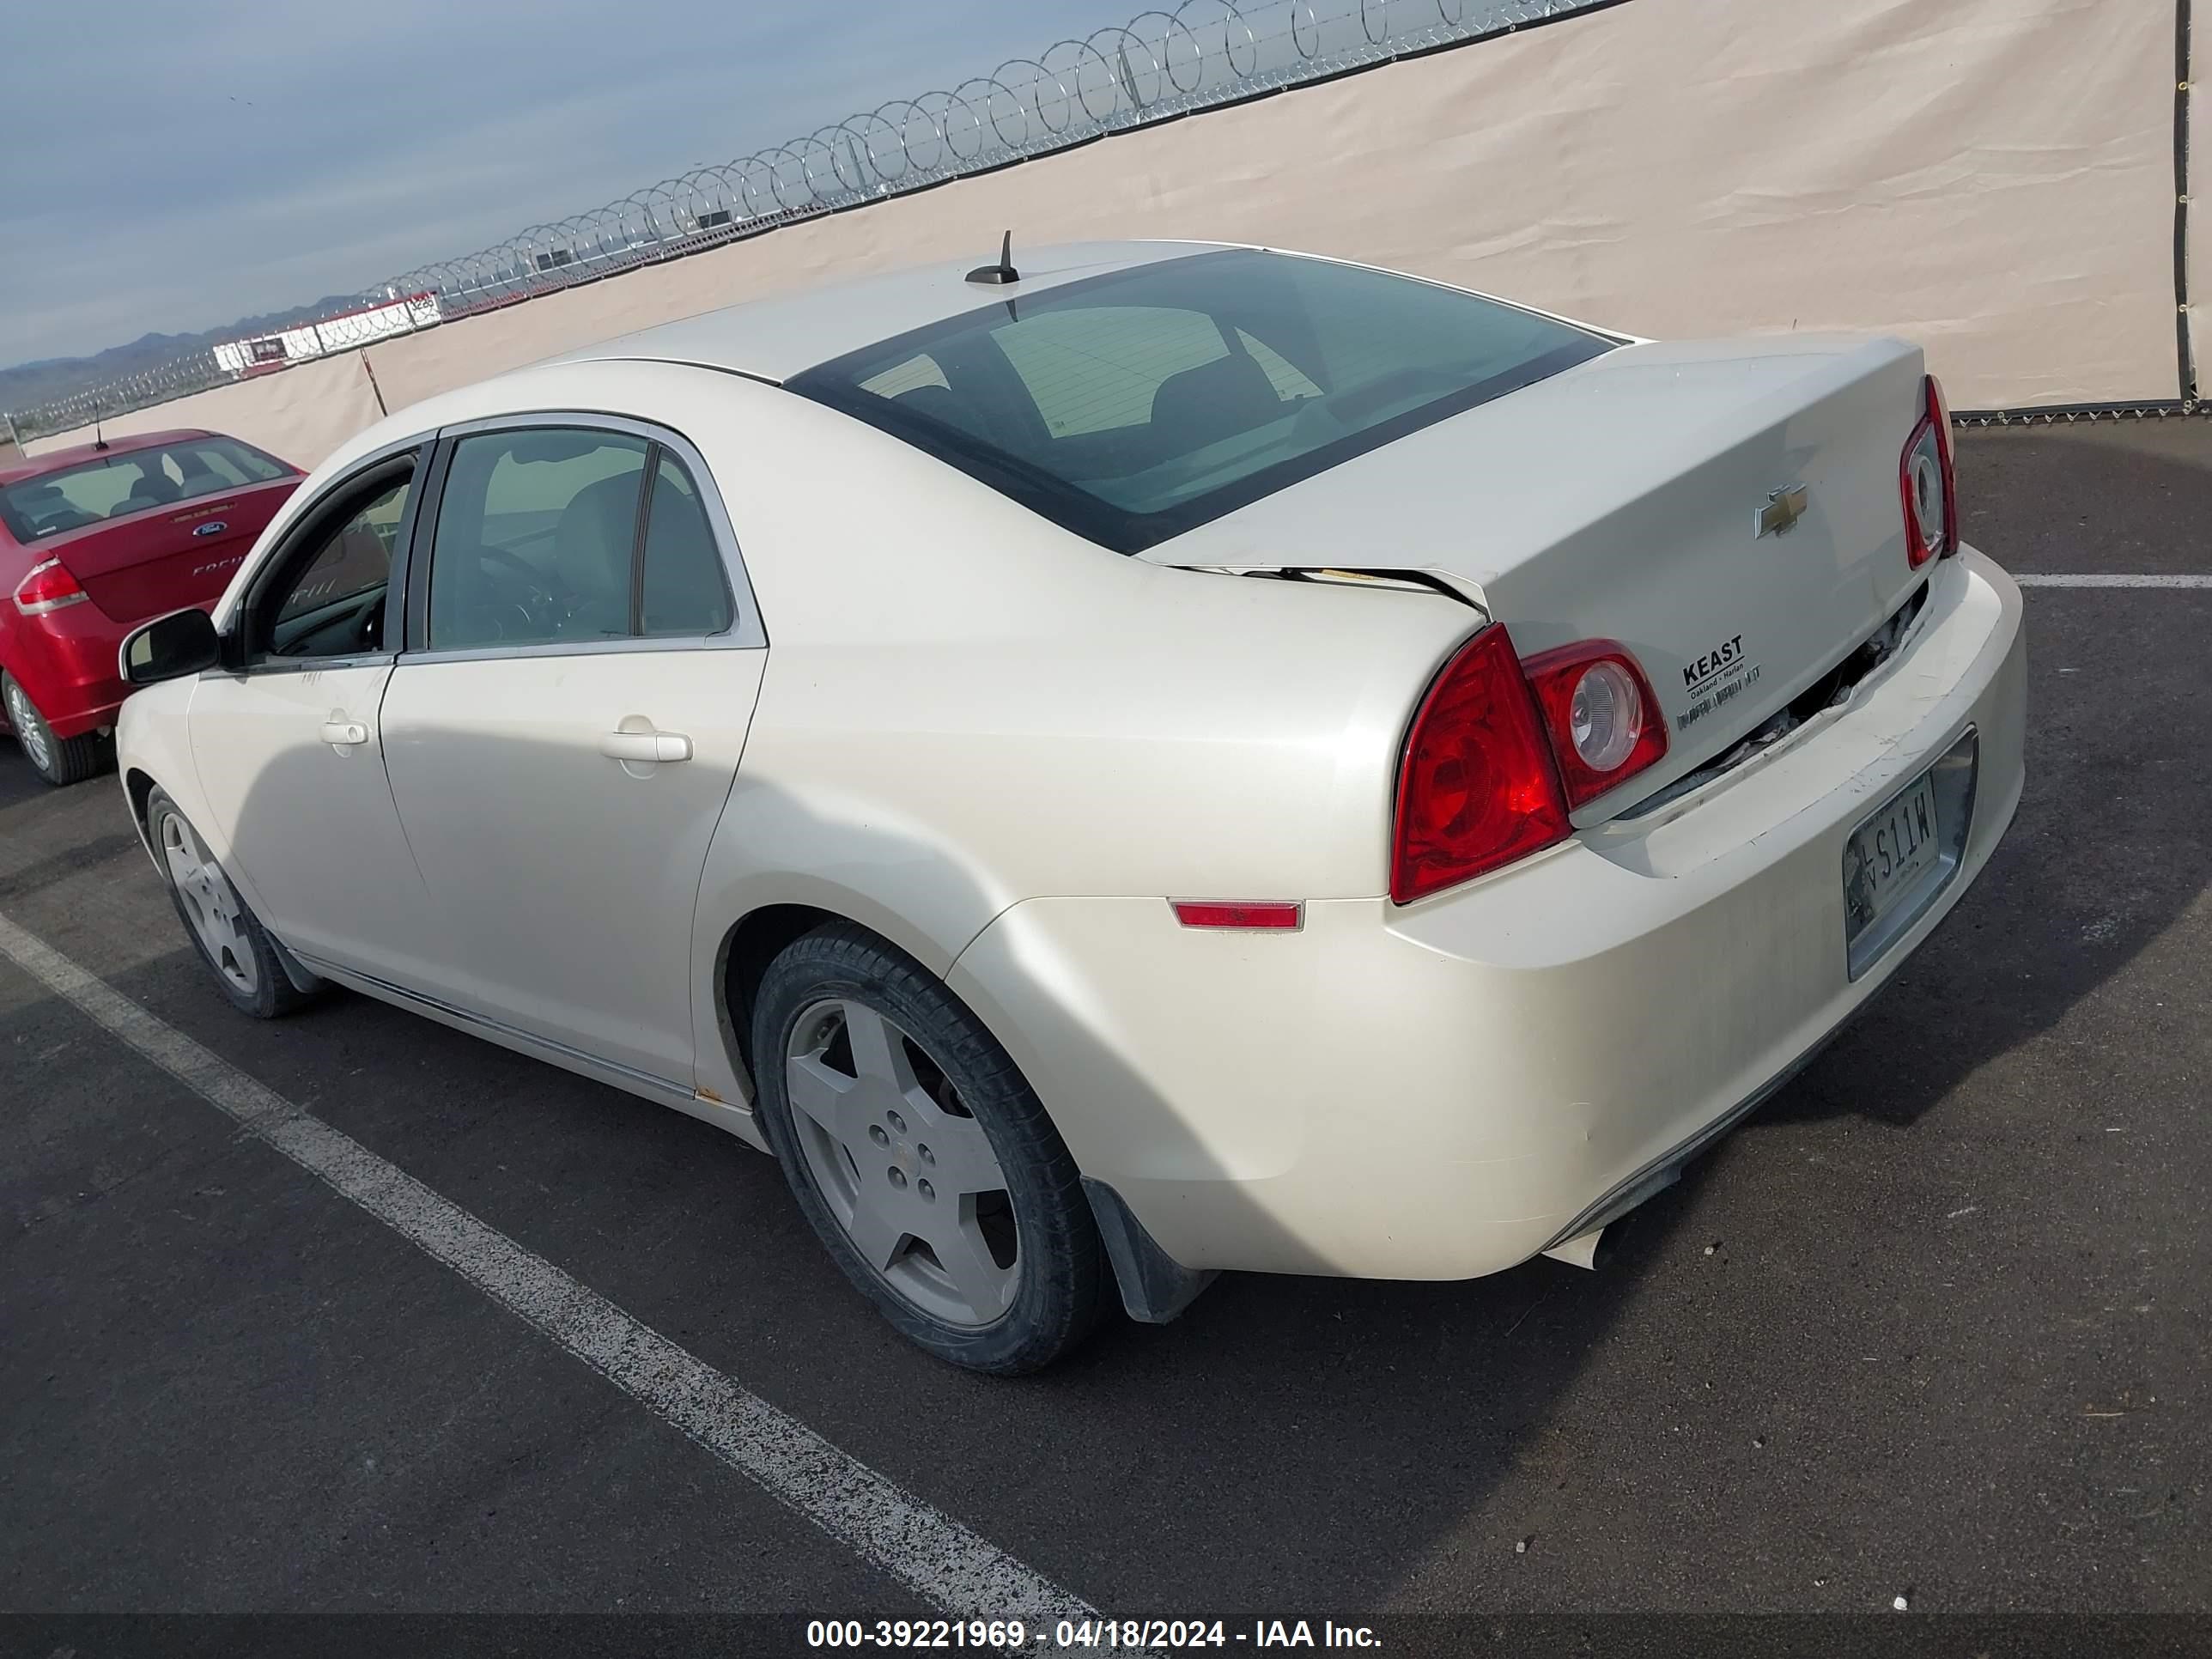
{"x":1783,"y":509}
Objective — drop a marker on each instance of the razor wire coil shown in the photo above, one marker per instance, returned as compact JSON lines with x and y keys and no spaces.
{"x":1161,"y":64}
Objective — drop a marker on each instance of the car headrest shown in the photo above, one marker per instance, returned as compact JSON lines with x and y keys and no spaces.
{"x":591,"y":539}
{"x":1205,"y":404}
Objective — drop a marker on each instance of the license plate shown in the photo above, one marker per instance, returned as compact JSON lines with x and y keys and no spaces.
{"x":1889,"y":853}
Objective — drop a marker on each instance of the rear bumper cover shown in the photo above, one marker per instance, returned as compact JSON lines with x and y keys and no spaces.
{"x":66,"y":661}
{"x":1446,"y":1089}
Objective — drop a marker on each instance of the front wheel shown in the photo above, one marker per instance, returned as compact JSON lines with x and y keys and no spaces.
{"x":921,"y":1156}
{"x":228,"y":936}
{"x":59,"y":761}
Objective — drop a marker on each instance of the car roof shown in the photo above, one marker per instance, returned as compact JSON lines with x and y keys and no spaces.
{"x":56,"y":460}
{"x":774,"y":339}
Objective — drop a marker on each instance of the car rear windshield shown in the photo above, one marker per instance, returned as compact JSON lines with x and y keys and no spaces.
{"x":1133,"y":406}
{"x":132,"y":480}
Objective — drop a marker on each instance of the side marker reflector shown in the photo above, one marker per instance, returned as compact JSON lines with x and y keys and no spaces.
{"x":1224,"y":913}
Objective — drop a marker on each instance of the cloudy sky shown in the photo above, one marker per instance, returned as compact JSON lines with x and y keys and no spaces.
{"x":175,"y":167}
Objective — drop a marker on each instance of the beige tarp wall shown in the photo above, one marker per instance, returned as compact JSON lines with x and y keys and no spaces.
{"x":301,"y":414}
{"x":1993,"y":178}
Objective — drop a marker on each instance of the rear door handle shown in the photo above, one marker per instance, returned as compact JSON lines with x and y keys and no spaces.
{"x":344,"y":733}
{"x":648,"y":746}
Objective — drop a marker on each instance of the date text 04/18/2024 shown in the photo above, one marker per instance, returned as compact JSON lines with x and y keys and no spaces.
{"x":1086,"y":1634}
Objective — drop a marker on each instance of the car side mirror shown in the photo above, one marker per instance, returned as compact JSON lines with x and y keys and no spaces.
{"x":169,"y":648}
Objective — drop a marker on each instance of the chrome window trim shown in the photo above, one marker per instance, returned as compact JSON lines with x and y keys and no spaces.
{"x":750,"y":633}
{"x":582,"y":648}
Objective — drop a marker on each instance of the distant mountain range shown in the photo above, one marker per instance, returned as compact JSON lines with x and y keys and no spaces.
{"x":27,"y":385}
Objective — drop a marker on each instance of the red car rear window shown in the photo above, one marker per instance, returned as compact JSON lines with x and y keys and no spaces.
{"x":132,"y":480}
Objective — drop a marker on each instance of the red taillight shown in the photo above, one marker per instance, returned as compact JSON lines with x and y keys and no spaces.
{"x":1478,"y":788}
{"x":1192,"y":914}
{"x":47,"y":587}
{"x":1606,"y":725}
{"x":1928,"y":483}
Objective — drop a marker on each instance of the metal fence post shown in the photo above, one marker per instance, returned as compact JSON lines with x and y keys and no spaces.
{"x":2183,"y":79}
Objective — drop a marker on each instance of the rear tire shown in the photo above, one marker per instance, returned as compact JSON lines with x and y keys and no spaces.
{"x":59,"y":761}
{"x":228,"y":936}
{"x":981,"y":1248}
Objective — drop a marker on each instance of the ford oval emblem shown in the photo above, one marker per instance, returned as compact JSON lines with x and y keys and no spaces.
{"x":215,"y":528}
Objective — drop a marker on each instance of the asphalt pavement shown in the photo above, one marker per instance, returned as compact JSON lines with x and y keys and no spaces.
{"x":1933,"y":1325}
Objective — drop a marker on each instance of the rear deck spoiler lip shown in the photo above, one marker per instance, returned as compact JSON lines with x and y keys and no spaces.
{"x":1404,"y":579}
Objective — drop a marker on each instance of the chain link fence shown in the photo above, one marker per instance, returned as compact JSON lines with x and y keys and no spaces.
{"x":1159,"y":65}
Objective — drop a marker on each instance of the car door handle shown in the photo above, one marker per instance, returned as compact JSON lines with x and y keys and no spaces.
{"x":648,"y":746}
{"x":344,"y":732}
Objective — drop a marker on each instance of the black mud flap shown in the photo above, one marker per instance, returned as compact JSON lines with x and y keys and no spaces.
{"x":1155,"y":1287}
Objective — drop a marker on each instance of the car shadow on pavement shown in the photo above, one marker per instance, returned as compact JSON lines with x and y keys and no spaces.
{"x":18,"y":782}
{"x":42,"y":872}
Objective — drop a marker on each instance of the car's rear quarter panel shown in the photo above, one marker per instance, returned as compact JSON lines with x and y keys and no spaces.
{"x":1437,"y":1091}
{"x":965,"y":707}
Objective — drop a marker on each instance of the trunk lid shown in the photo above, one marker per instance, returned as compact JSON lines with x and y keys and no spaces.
{"x":168,"y":557}
{"x":1628,"y":499}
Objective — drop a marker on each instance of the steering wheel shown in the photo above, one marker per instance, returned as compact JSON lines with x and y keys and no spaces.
{"x":350,"y":625}
{"x":543,"y":587}
{"x":514,"y":600}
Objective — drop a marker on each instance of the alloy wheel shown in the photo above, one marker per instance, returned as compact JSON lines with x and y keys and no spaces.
{"x":30,"y":730}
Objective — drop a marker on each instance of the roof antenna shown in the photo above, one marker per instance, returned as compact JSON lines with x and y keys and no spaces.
{"x":1003,"y":272}
{"x":99,"y":441}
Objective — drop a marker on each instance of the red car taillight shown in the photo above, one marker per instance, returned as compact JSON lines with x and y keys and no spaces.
{"x":1606,"y":725}
{"x":1928,"y":483}
{"x":1477,"y":787}
{"x":47,"y":587}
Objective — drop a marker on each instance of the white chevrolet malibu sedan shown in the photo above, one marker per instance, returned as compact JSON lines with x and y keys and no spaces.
{"x":1119,"y":764}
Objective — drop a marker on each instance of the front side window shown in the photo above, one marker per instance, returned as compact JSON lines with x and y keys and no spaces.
{"x":1133,"y":406}
{"x":545,"y":537}
{"x":534,"y":540}
{"x":329,"y":601}
{"x":133,"y":480}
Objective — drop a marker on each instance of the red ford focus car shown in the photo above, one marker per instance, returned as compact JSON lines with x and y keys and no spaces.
{"x":96,"y":539}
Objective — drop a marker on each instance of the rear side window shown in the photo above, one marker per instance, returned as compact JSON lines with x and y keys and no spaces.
{"x":1133,"y":406}
{"x":549,"y":536}
{"x":683,"y":590}
{"x":133,"y":480}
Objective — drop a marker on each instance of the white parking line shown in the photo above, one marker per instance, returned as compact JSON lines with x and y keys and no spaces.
{"x":2111,"y":581}
{"x":918,"y":1545}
